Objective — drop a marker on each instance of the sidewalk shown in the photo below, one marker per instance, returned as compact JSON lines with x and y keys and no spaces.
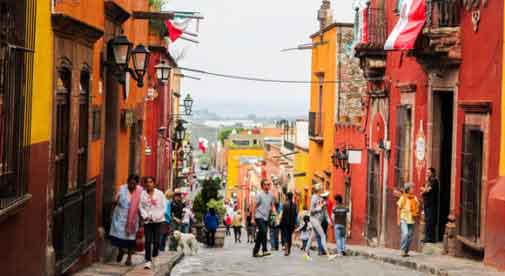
{"x":165,"y":262}
{"x":441,"y":265}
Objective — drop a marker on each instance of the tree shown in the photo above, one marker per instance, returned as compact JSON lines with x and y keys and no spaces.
{"x":209,"y":192}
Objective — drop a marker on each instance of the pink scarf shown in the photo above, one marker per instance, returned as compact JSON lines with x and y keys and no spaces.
{"x":133,"y":211}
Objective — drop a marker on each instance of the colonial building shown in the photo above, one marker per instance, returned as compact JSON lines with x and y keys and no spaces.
{"x":435,"y":105}
{"x":25,"y":113}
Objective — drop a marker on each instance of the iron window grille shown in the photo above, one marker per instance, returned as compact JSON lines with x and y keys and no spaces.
{"x":17,"y":37}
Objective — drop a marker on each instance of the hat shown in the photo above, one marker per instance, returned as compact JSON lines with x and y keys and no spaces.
{"x":317,"y":186}
{"x":177,"y":191}
{"x":325,"y":194}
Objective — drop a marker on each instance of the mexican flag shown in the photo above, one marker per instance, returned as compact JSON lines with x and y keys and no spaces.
{"x":203,"y":144}
{"x":174,"y":31}
{"x":408,"y":27}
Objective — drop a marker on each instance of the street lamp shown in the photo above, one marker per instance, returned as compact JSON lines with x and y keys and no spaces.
{"x":180,"y":132}
{"x":340,"y":159}
{"x":188,"y":105}
{"x":122,"y":51}
{"x":162,"y":71}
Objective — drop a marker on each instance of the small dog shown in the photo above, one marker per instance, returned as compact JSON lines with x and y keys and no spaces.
{"x":186,"y":242}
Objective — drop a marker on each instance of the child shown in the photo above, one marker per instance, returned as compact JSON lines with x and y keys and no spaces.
{"x":251,"y":229}
{"x":305,"y":233}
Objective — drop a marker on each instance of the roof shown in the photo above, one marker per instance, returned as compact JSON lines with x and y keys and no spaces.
{"x":331,"y":26}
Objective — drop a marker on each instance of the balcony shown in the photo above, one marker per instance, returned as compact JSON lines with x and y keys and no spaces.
{"x":440,"y":42}
{"x":370,"y":50}
{"x":316,"y":126}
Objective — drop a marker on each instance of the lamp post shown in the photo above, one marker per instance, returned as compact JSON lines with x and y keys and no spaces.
{"x":120,"y":50}
{"x":340,"y":159}
{"x":188,"y":105}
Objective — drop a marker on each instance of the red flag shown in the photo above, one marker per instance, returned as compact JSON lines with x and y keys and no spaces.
{"x":408,"y":27}
{"x":173,"y":31}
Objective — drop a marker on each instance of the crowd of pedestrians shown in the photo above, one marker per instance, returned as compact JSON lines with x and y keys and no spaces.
{"x":141,"y":205}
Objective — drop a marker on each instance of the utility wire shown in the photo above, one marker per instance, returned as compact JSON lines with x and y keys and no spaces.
{"x":257,"y":79}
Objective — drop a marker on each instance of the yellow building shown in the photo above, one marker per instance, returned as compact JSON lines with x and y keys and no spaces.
{"x":242,"y":149}
{"x":301,"y":163}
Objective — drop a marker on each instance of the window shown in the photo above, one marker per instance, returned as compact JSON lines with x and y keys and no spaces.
{"x":62,"y":127}
{"x":16,"y":62}
{"x":82,"y":153}
{"x":403,"y":144}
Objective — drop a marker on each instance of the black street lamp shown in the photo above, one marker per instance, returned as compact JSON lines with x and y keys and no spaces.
{"x":121,"y":49}
{"x":162,"y":71}
{"x":180,"y":132}
{"x":188,"y":105}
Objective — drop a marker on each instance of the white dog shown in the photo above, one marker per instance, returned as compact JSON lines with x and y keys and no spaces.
{"x":186,"y":242}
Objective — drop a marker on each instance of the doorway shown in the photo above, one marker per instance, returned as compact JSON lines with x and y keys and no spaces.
{"x":373,"y":198}
{"x":442,"y":134}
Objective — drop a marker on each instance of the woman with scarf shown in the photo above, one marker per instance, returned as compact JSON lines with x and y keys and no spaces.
{"x":407,"y":213}
{"x":125,"y":218}
{"x":152,"y":211}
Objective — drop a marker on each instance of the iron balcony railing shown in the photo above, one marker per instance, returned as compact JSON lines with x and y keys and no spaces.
{"x":315,"y":124}
{"x":442,"y":13}
{"x":375,"y":30}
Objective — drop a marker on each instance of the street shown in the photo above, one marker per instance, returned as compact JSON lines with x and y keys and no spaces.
{"x":235,"y":260}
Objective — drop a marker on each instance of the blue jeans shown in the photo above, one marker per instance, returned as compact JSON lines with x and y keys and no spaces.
{"x":274,"y":238}
{"x":304,"y":244}
{"x":320,"y":247}
{"x":407,"y":231}
{"x":340,"y":237}
{"x":163,"y":242}
{"x":185,"y":228}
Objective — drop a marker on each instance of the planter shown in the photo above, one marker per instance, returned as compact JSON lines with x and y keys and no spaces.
{"x":199,"y":232}
{"x":220,"y":233}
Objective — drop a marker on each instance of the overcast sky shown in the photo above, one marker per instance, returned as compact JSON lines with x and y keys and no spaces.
{"x":245,"y":38}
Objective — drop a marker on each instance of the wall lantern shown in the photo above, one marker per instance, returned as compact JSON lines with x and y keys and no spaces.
{"x":188,"y":105}
{"x":122,"y":51}
{"x":180,"y":132}
{"x":162,"y":71}
{"x":340,"y":159}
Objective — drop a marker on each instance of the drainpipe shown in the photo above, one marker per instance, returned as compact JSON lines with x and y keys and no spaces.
{"x":339,"y":87}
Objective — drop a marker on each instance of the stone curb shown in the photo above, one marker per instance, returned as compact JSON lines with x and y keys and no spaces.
{"x":423,"y":264}
{"x":163,"y":267}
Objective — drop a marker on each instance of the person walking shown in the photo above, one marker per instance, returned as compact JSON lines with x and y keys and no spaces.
{"x":317,"y":211}
{"x":288,"y":222}
{"x":177,"y":208}
{"x":187,"y":217}
{"x":324,"y":223}
{"x":407,"y":213}
{"x":339,"y":214}
{"x":263,"y":205}
{"x":211,"y":221}
{"x":125,"y":218}
{"x":430,"y":202}
{"x":273,"y":226}
{"x":251,"y":228}
{"x":152,"y":211}
{"x":165,"y":226}
{"x":305,"y":230}
{"x":227,"y":224}
{"x":237,"y":226}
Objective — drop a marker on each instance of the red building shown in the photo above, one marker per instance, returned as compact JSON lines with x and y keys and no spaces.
{"x":436,"y":105}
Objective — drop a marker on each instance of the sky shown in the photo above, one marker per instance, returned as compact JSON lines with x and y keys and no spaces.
{"x":245,"y":38}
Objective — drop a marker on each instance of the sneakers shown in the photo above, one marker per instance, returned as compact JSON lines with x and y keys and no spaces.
{"x":307,"y":257}
{"x":256,"y":255}
{"x":331,"y":257}
{"x":148,"y":265}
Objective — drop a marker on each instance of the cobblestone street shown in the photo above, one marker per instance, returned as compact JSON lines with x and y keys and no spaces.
{"x":236,"y":260}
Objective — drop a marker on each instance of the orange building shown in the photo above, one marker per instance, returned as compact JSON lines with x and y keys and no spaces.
{"x":98,"y":113}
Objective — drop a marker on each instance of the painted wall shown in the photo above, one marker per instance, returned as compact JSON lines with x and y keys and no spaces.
{"x":323,"y":61}
{"x":24,"y":235}
{"x":234,"y":156}
{"x":302,"y":183}
{"x":353,"y":138}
